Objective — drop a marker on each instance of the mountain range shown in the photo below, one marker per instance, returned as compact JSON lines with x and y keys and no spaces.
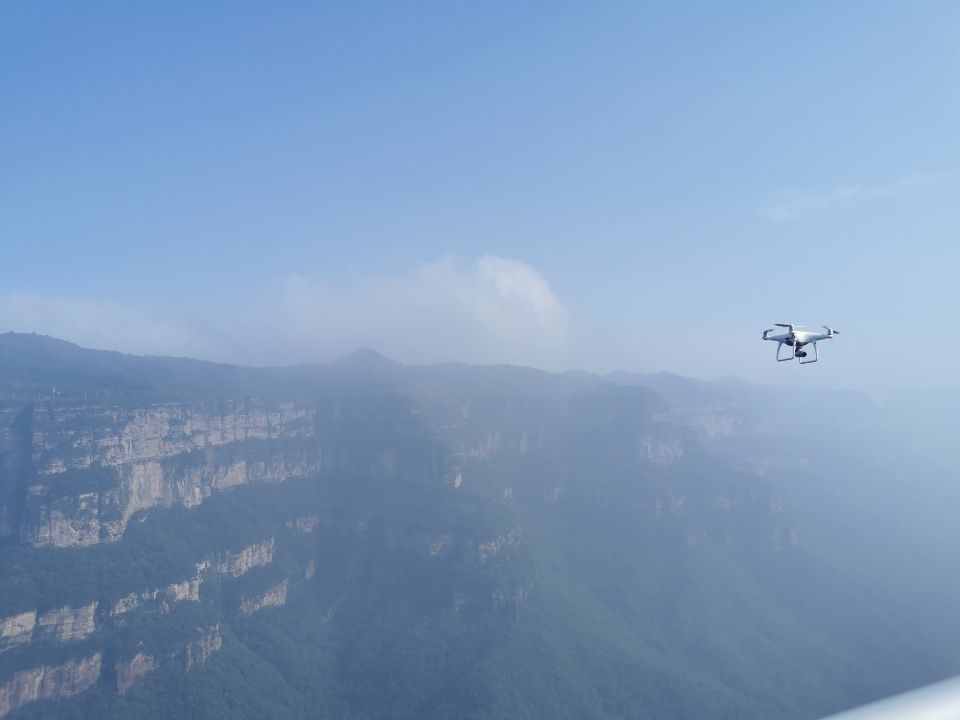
{"x":367,"y":540}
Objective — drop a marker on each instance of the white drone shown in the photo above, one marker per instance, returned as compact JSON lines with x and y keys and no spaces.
{"x":797,"y":339}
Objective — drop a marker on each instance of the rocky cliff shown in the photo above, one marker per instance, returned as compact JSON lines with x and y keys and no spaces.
{"x":273,"y":597}
{"x":93,"y":468}
{"x":371,"y":540}
{"x":47,"y":682}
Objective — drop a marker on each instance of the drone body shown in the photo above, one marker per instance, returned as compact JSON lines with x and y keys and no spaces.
{"x":797,"y":339}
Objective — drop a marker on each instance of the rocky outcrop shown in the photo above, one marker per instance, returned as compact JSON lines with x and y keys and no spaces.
{"x":487,"y":550}
{"x":661,"y":450}
{"x":17,"y":629}
{"x":112,"y":437}
{"x":83,"y":520}
{"x":200,"y":650}
{"x":193,"y":653}
{"x":713,"y":425}
{"x":236,"y":564}
{"x":126,"y":604}
{"x":68,"y":624}
{"x":304,"y":525}
{"x":61,"y":521}
{"x":184,"y":591}
{"x":274,"y":597}
{"x":129,"y":672}
{"x":125,"y":461}
{"x":233,"y":564}
{"x":46,"y":682}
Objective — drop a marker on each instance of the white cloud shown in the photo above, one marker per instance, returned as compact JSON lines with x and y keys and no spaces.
{"x":795,"y":205}
{"x":492,"y":310}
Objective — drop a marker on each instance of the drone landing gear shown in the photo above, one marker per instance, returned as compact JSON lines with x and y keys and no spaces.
{"x":801,"y":354}
{"x":798,"y":354}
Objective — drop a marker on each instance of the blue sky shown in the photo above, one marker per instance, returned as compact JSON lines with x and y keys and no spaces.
{"x":598,"y":185}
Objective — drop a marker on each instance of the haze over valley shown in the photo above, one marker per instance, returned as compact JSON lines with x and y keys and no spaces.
{"x":365,"y":539}
{"x":407,"y":361}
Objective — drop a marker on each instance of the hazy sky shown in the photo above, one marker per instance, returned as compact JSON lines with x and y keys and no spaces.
{"x":596,"y":185}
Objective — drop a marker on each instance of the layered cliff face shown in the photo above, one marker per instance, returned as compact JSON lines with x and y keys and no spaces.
{"x":365,"y":540}
{"x":95,"y":467}
{"x":155,"y":523}
{"x":47,"y":682}
{"x":63,"y":626}
{"x":17,"y":629}
{"x":273,"y":597}
{"x":73,"y":474}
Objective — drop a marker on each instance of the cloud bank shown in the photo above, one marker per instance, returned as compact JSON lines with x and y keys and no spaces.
{"x":491,"y":310}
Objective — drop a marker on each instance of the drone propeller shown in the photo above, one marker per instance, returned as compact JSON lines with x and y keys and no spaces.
{"x":830,"y":330}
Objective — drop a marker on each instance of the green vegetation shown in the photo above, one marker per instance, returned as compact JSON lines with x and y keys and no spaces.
{"x":596,"y":557}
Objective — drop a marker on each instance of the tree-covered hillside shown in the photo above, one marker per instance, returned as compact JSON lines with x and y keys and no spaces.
{"x":365,"y":540}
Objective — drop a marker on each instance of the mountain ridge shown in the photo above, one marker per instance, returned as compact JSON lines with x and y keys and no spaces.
{"x":370,"y":361}
{"x":427,"y":534}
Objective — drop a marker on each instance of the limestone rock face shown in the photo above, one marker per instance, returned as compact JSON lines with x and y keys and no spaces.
{"x":129,"y":672}
{"x":714,"y":424}
{"x":487,"y":550}
{"x":45,"y":682}
{"x":661,"y":450}
{"x":126,"y":604}
{"x":130,"y":460}
{"x":274,"y":597}
{"x":17,"y":629}
{"x":112,"y":437}
{"x":305,"y":524}
{"x":200,"y":651}
{"x":63,"y":522}
{"x":233,"y":564}
{"x":68,"y":624}
{"x":236,"y":564}
{"x":187,"y":590}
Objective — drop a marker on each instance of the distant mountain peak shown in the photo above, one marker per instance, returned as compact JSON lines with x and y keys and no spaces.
{"x":366,"y":359}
